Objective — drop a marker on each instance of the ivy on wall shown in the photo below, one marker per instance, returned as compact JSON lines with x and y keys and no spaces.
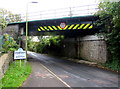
{"x":109,"y":13}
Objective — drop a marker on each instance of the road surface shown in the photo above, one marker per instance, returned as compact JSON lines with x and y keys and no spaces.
{"x":75,"y":74}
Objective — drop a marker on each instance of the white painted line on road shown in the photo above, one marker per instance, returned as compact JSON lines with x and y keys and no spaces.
{"x":57,"y":76}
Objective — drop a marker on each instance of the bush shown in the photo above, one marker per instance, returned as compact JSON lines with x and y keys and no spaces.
{"x":46,"y":44}
{"x":114,"y":65}
{"x":32,"y":45}
{"x":109,"y":14}
{"x":9,"y":44}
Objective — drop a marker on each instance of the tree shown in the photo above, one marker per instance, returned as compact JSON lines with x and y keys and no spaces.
{"x":13,"y":18}
{"x":3,"y":21}
{"x":8,"y":17}
{"x":109,"y":13}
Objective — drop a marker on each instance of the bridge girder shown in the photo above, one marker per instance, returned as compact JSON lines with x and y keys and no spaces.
{"x":73,"y":26}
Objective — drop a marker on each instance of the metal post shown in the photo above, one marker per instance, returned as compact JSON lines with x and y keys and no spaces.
{"x":26,"y":47}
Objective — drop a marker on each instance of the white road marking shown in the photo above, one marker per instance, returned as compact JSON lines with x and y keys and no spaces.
{"x":57,"y":76}
{"x":53,"y":73}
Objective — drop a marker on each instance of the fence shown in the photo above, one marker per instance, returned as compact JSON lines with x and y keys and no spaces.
{"x":63,"y":12}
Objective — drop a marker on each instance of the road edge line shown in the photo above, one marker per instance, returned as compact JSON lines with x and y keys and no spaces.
{"x":56,"y":76}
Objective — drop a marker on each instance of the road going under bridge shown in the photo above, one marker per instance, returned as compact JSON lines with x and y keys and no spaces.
{"x":57,"y":72}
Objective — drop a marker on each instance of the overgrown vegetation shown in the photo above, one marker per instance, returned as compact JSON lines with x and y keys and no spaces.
{"x":109,"y":13}
{"x":46,"y":44}
{"x":16,"y":74}
{"x":7,"y":17}
{"x":32,"y":45}
{"x":9,"y":44}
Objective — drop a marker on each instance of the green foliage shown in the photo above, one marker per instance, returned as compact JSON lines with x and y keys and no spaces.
{"x":9,"y":44}
{"x":45,"y":44}
{"x":7,"y":17}
{"x":16,"y":75}
{"x":56,"y":40}
{"x":3,"y":22}
{"x":114,"y":65}
{"x":14,"y":17}
{"x":109,"y":13}
{"x":41,"y":47}
{"x":31,"y":45}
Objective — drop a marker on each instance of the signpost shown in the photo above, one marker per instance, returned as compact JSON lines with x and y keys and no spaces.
{"x":19,"y":55}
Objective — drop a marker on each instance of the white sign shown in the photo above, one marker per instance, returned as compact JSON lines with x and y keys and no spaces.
{"x":62,"y":25}
{"x":20,"y":54}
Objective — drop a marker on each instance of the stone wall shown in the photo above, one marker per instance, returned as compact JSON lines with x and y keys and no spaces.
{"x":5,"y":61}
{"x":91,"y":47}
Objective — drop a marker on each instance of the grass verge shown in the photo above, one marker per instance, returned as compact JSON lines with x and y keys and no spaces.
{"x":16,"y":74}
{"x":113,"y":65}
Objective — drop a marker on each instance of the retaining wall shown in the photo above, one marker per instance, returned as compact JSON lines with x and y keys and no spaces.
{"x":91,"y":47}
{"x":5,"y":61}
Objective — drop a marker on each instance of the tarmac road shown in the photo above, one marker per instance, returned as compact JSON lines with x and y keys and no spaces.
{"x":71,"y":74}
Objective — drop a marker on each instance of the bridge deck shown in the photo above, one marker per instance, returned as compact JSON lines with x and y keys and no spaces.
{"x":65,"y":26}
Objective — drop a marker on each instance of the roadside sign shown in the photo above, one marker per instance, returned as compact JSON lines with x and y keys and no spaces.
{"x":20,"y":54}
{"x":62,"y":25}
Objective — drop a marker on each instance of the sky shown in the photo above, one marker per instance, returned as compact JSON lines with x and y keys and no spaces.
{"x":19,"y":6}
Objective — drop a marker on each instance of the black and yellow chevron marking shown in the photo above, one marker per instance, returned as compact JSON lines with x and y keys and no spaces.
{"x":67,"y":27}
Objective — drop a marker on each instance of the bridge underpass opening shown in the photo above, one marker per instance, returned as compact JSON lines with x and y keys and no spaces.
{"x":71,"y":27}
